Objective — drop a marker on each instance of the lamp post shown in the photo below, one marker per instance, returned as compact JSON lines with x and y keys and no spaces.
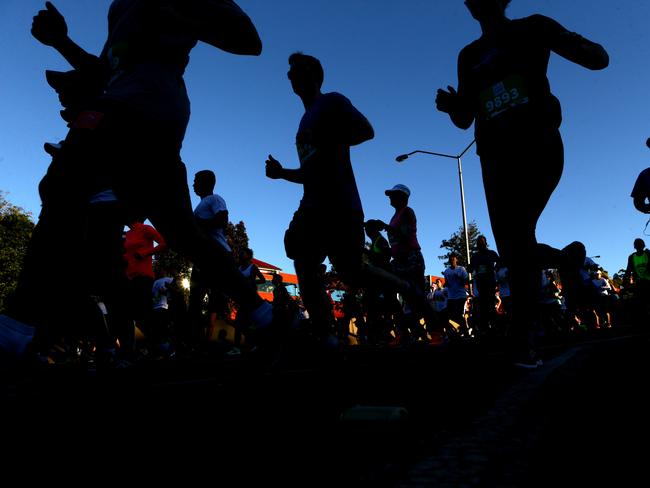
{"x":404,"y":157}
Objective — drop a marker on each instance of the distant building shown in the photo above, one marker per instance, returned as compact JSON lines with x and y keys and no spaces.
{"x":265,"y":290}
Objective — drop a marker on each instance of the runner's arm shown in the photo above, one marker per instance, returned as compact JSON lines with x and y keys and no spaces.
{"x":220,"y":23}
{"x":49,"y":27}
{"x":219,"y":221}
{"x":629,"y":270}
{"x":360,"y":132}
{"x":275,"y":171}
{"x":455,"y":103}
{"x":259,"y":277}
{"x":641,"y":192}
{"x":641,"y":205}
{"x":357,"y":127}
{"x":573,"y":46}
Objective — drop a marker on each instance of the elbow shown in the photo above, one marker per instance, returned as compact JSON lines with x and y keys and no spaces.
{"x":239,"y":38}
{"x":605,"y":60}
{"x":462,"y":123}
{"x":462,"y":119}
{"x":640,"y":205}
{"x":600,"y":61}
{"x":254,"y":47}
{"x":364,"y":135}
{"x":252,"y":44}
{"x":370,"y":133}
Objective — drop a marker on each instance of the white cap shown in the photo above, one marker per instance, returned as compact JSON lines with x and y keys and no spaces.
{"x":399,"y":188}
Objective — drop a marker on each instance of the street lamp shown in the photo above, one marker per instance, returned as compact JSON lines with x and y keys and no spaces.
{"x":404,"y":157}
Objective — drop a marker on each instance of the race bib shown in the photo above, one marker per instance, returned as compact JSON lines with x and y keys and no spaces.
{"x":503,"y":96}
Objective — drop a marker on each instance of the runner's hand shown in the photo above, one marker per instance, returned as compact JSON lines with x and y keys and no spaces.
{"x":273,"y":168}
{"x":447,"y":101}
{"x":49,"y":27}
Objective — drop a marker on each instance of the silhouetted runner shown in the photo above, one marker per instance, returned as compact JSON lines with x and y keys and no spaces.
{"x":211,"y":215}
{"x":504,"y":91}
{"x":408,"y":263}
{"x":128,"y":142}
{"x":637,"y":274}
{"x":329,"y":221}
{"x":483,"y":271}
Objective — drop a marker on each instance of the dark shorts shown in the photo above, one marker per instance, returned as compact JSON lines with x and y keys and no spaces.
{"x":314,"y":235}
{"x":411,"y":268}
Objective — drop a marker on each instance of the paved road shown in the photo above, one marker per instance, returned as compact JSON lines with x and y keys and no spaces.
{"x":581,"y":420}
{"x":472,"y":419}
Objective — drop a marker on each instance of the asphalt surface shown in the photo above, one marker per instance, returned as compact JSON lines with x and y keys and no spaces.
{"x":458,"y":416}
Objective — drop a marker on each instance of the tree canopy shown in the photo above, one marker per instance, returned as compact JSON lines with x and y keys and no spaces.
{"x":16,"y":227}
{"x":456,"y":244}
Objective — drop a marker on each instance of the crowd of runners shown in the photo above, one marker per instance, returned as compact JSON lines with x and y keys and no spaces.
{"x":127,"y":111}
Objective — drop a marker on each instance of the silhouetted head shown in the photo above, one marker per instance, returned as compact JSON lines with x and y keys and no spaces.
{"x":306,"y":74}
{"x":485,"y":10}
{"x":204,"y":182}
{"x":398,"y":195}
{"x":245,"y":255}
{"x":277,"y":279}
{"x":639,"y":245}
{"x":575,"y":254}
{"x":453,"y":259}
{"x":373,"y":227}
{"x":647,"y":142}
{"x":481,"y":243}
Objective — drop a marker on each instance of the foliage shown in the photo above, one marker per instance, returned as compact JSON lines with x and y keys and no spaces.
{"x":173,"y":263}
{"x":237,"y":237}
{"x":456,"y":244}
{"x":618,"y":281}
{"x":16,"y":228}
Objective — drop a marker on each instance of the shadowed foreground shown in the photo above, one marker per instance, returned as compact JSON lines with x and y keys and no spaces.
{"x":473,"y":419}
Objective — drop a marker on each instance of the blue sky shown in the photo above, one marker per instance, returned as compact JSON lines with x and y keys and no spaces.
{"x":389,"y":58}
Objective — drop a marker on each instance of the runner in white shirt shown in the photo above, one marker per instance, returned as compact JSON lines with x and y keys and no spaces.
{"x":456,"y":279}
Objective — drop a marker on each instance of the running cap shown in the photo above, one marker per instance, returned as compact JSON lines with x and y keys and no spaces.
{"x":399,"y":188}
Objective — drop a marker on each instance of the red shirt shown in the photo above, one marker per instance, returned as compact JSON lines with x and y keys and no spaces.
{"x":138,"y":249}
{"x":402,"y":232}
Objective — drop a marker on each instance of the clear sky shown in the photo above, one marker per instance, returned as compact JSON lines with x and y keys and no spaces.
{"x":388,"y":57}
